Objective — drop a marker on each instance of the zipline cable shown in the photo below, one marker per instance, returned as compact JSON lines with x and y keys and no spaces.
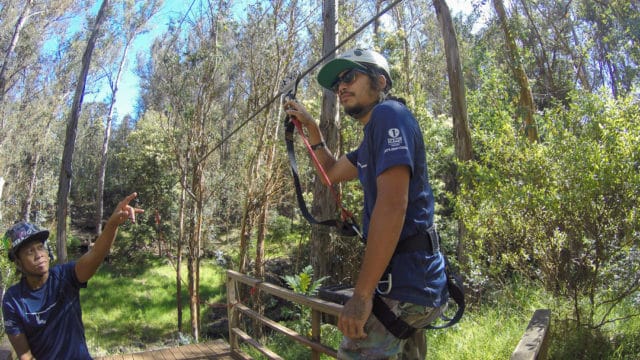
{"x":303,"y":74}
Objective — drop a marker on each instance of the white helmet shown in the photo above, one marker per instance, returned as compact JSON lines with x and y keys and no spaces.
{"x":355,"y":58}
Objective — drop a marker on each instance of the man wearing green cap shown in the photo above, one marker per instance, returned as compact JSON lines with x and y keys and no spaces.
{"x":402,"y":264}
{"x":42,"y":314}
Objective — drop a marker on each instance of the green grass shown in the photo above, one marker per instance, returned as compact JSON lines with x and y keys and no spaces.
{"x":128,"y":306}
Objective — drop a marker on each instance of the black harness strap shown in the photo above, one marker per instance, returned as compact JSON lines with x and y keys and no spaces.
{"x":347,"y":226}
{"x":429,"y":241}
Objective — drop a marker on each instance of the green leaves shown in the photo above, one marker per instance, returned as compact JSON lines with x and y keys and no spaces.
{"x":303,"y":282}
{"x":562,"y":211}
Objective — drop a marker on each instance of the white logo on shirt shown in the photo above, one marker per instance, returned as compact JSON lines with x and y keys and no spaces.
{"x":394,"y":137}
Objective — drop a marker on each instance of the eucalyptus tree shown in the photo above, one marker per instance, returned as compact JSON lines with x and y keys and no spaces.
{"x":268,"y":39}
{"x":64,"y":181}
{"x":187,"y":81}
{"x":612,"y":28}
{"x":26,"y":25}
{"x":29,"y":97}
{"x":527,"y":106}
{"x":461,"y":131}
{"x":131,"y":21}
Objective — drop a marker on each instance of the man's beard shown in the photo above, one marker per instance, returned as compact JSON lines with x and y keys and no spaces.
{"x":359,"y":110}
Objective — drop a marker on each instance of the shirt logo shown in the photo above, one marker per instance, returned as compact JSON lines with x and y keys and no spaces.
{"x":394,"y":138}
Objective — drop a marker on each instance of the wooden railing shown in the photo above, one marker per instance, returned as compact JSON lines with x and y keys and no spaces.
{"x":236,"y":307}
{"x":534,"y":343}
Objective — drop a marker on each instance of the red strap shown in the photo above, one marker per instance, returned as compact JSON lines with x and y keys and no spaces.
{"x":345,"y":214}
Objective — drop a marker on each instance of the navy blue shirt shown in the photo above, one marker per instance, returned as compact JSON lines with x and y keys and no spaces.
{"x":392,"y":137}
{"x":50,"y":316}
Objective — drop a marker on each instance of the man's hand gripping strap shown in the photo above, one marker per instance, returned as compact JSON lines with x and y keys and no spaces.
{"x":347,"y":225}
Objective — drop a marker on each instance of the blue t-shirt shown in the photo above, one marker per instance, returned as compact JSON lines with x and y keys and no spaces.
{"x":50,"y":316}
{"x":393,"y":137}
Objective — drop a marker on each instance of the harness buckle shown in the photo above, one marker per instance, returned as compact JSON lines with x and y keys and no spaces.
{"x":388,"y":283}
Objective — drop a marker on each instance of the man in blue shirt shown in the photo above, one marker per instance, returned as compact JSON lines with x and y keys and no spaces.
{"x":42,"y":314}
{"x":402,"y":262}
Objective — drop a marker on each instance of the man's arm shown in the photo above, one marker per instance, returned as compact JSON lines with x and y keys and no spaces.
{"x":21,"y":346}
{"x":337,"y":170}
{"x":385,"y":227}
{"x":88,"y":263}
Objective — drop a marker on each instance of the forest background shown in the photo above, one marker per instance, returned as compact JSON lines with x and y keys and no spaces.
{"x":530,"y":115}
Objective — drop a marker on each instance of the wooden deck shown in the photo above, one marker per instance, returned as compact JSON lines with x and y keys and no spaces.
{"x":217,"y":349}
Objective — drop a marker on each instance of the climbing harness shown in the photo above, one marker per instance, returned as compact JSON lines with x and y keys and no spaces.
{"x":346,"y":225}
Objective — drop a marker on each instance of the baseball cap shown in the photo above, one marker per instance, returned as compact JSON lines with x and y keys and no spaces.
{"x":19,"y":234}
{"x":355,"y":58}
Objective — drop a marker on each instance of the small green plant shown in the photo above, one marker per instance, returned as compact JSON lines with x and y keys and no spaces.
{"x":304,"y":284}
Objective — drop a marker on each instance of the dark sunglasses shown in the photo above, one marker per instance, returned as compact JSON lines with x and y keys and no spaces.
{"x":346,"y":78}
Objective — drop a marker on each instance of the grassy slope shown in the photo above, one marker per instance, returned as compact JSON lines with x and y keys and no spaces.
{"x":128,"y":307}
{"x":131,"y":307}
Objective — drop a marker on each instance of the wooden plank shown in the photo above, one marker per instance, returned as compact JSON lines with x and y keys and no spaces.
{"x":534,"y":343}
{"x":257,"y":345}
{"x":214,"y":348}
{"x":191,"y":351}
{"x":155,"y":354}
{"x":177,"y":353}
{"x":288,"y":332}
{"x":239,"y":355}
{"x":314,"y":303}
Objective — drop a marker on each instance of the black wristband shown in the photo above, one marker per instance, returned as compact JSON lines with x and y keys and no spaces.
{"x":318,"y":145}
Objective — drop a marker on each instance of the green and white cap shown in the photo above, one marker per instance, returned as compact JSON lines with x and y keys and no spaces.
{"x":356,"y":58}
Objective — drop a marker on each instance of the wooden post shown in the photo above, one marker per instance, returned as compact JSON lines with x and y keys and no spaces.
{"x":315,"y":332}
{"x":232,"y":314}
{"x":534,"y":343}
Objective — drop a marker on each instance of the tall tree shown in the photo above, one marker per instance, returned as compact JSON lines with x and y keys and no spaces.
{"x":461,"y":131}
{"x":66,"y":173}
{"x":323,"y":202}
{"x":134,"y":19}
{"x":527,"y":107}
{"x":20,"y":22}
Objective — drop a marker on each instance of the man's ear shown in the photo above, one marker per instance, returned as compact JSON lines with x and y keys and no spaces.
{"x":382,"y":82}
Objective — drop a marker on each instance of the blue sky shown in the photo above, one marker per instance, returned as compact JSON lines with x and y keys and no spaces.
{"x":129,"y":88}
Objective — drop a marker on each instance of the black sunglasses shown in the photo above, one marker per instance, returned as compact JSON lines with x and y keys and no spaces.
{"x":346,"y":78}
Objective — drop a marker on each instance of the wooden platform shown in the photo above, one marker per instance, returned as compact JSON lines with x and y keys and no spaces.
{"x":217,"y":349}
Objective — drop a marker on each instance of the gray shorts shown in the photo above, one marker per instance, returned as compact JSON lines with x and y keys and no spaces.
{"x":381,"y":344}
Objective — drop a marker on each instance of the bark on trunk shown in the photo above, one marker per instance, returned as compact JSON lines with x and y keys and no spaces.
{"x":527,"y":106}
{"x":66,"y":173}
{"x":323,"y":203}
{"x":183,"y":194}
{"x":22,"y":19}
{"x":105,"y":145}
{"x":461,"y":131}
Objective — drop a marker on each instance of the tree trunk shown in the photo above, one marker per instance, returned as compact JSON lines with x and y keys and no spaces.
{"x":64,"y":185}
{"x":323,"y":202}
{"x":22,"y":19}
{"x":527,"y":106}
{"x":105,"y":144}
{"x":579,"y":60}
{"x":195,"y":244}
{"x":1,"y":188}
{"x":259,"y":264}
{"x":183,"y":195}
{"x":461,"y":132}
{"x":31,"y":189}
{"x":245,"y":236}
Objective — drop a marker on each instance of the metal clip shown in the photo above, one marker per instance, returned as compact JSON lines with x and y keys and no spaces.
{"x":388,"y":283}
{"x":288,"y":86}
